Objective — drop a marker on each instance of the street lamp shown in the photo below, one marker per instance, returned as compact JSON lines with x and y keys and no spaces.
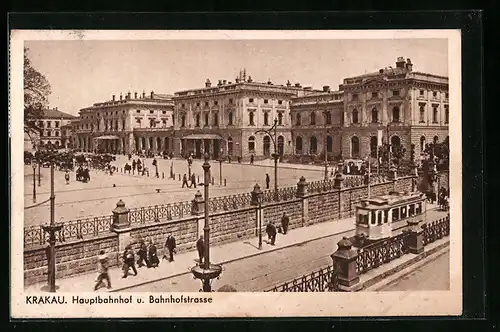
{"x":52,"y":229}
{"x":39,"y":177}
{"x":206,"y":271}
{"x":257,"y":196}
{"x":221,"y":159}
{"x":326,"y":155}
{"x":190,"y":162}
{"x":34,"y":182}
{"x":272,"y":134}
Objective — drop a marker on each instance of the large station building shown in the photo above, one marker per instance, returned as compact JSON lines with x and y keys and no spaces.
{"x":234,"y":117}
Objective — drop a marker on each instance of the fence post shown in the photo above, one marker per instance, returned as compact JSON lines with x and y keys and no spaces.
{"x":121,"y":225}
{"x":337,"y":184}
{"x":415,"y":238}
{"x":302,"y":193}
{"x":197,"y":204}
{"x":345,"y":261}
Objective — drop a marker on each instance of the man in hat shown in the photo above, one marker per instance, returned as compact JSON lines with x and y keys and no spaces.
{"x":285,"y":220}
{"x":102,"y":267}
{"x":66,"y":177}
{"x":268,"y":180}
{"x":200,"y":246}
{"x":143,"y":254}
{"x":128,"y":261}
{"x":153,"y":260}
{"x":271,"y":232}
{"x":170,"y":245}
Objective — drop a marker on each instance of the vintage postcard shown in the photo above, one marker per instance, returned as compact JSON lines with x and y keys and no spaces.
{"x":235,"y":173}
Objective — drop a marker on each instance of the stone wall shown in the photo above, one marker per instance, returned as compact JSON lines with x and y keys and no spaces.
{"x":71,"y":258}
{"x":78,"y":257}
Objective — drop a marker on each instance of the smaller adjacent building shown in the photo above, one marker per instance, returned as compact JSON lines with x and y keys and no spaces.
{"x":53,"y":130}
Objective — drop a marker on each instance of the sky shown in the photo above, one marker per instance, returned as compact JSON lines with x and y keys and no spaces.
{"x":82,"y":72}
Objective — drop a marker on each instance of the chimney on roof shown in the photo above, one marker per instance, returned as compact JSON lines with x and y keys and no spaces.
{"x":250,"y":79}
{"x":113,"y":97}
{"x":288,"y":83}
{"x":237,"y":80}
{"x":409,"y":65}
{"x":229,"y":82}
{"x":400,"y":63}
{"x":219,"y":83}
{"x":143,"y":94}
{"x":224,"y":81}
{"x":121,"y":96}
{"x":326,"y":88}
{"x":269,"y":82}
{"x":128,"y":95}
{"x":135,"y":95}
{"x":381,"y":71}
{"x":152,"y":94}
{"x":307,"y":88}
{"x":208,"y":83}
{"x":297,"y":85}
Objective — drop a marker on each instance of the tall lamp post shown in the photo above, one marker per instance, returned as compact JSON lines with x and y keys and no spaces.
{"x":271,"y":132}
{"x":39,"y":177}
{"x":52,"y":229}
{"x":257,"y":195}
{"x":34,"y":182}
{"x":190,"y":162}
{"x":206,"y":272}
{"x":221,"y":159}
{"x":326,"y":155}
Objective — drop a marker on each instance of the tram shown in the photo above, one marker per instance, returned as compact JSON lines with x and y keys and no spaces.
{"x":385,"y":216}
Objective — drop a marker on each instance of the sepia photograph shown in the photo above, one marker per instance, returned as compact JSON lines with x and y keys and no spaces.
{"x":308,"y":173}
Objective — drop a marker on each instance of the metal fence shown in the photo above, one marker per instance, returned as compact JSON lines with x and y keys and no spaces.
{"x":436,"y":230}
{"x":323,"y":280}
{"x":225,"y":203}
{"x":157,"y":213}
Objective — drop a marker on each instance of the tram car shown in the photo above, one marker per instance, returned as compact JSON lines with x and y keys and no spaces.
{"x":385,"y":216}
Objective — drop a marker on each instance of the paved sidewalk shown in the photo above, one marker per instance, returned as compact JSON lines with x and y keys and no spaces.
{"x":183,"y":262}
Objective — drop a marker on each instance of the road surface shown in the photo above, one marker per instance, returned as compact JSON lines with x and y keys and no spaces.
{"x":433,"y":276}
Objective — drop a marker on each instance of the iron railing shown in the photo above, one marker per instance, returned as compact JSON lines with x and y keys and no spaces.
{"x":382,"y":252}
{"x":436,"y":230}
{"x":323,"y":280}
{"x":225,"y":203}
{"x":157,"y":213}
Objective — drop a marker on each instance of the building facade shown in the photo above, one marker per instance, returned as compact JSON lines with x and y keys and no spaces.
{"x":409,"y":107}
{"x":317,"y":124}
{"x":126,"y":125}
{"x":231,"y":118}
{"x":51,"y":129}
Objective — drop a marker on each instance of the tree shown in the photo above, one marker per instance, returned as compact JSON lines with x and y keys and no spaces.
{"x":36,"y":93}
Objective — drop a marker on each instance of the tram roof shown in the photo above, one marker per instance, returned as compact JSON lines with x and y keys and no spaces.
{"x":392,"y":199}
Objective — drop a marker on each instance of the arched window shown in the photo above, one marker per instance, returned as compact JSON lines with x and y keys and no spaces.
{"x":57,"y":144}
{"x":251,"y":116}
{"x":267,"y":146}
{"x":436,"y":139}
{"x":251,"y":144}
{"x":298,"y":145}
{"x":298,"y":122}
{"x":395,"y":114}
{"x":230,"y":146}
{"x":354,"y":146}
{"x":266,"y":119}
{"x":395,"y":141}
{"x":313,"y":145}
{"x":206,"y":119}
{"x":313,"y":118}
{"x":355,"y":116}
{"x":197,"y":120}
{"x":373,"y":146}
{"x":183,"y":120}
{"x":422,"y":143}
{"x":230,"y":119}
{"x":329,"y":144}
{"x":216,"y":119}
{"x":374,"y":115}
{"x":281,"y":145}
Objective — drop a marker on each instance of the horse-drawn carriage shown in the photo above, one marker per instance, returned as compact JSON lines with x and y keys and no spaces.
{"x":82,"y":174}
{"x":28,"y":157}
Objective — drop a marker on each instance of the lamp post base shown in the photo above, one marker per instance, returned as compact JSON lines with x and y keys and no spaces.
{"x":206,"y":274}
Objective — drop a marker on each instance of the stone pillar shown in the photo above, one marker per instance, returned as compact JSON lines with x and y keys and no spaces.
{"x":415,"y":239}
{"x":337,"y":184}
{"x":121,"y":225}
{"x":147,"y":144}
{"x":344,"y":261}
{"x":302,"y":193}
{"x":198,"y":204}
{"x":155,"y":144}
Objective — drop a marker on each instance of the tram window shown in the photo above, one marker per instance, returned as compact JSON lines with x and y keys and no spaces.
{"x":419,"y":208}
{"x":412,"y":209}
{"x":380,"y":220}
{"x":395,"y":214}
{"x":363,"y":219}
{"x":373,"y":221}
{"x":386,"y":216}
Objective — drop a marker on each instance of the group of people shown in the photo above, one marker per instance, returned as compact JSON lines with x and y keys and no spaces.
{"x":443,"y":198}
{"x":272,"y":231}
{"x":185,"y":181}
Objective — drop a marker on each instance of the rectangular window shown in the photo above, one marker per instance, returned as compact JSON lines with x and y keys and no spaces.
{"x":216,"y":103}
{"x":280,"y":102}
{"x":250,"y":100}
{"x":354,"y":96}
{"x":151,"y":112}
{"x":374,"y":94}
{"x":280,"y":119}
{"x":164,"y":112}
{"x":421,"y":92}
{"x":266,"y":119}
{"x":422,"y":114}
{"x":266,"y":101}
{"x":138,"y":111}
{"x":49,"y":124}
{"x":56,"y":134}
{"x":434,"y":94}
{"x":164,"y":122}
{"x":206,"y":119}
{"x":395,"y":93}
{"x":434,"y":115}
{"x":57,"y":124}
{"x":48,"y":133}
{"x":251,"y":118}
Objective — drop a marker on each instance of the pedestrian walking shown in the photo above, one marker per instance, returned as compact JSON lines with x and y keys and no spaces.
{"x":193,"y":180}
{"x":251,"y":159}
{"x":285,"y":221}
{"x":143,"y":254}
{"x":102,"y":268}
{"x":153,"y":260}
{"x":128,"y":261}
{"x":239,"y":159}
{"x":134,"y":164}
{"x":268,"y":180}
{"x":66,"y":177}
{"x":129,"y":156}
{"x":229,"y":159}
{"x":170,"y":245}
{"x":271,"y":232}
{"x":200,"y":246}
{"x":185,"y":181}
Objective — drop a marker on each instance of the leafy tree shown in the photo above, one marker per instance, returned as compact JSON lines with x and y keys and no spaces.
{"x":36,"y":93}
